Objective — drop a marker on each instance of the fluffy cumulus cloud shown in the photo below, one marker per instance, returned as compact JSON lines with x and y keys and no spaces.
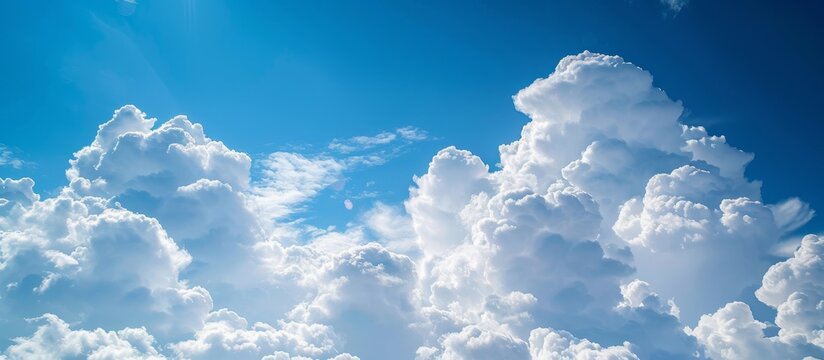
{"x":794,"y":288}
{"x":604,"y":184}
{"x":366,"y":290}
{"x":151,"y":217}
{"x":55,"y":339}
{"x":546,"y":344}
{"x":79,"y":258}
{"x":733,"y":333}
{"x":226,"y":334}
{"x":611,"y":230}
{"x":129,"y":155}
{"x":474,"y":342}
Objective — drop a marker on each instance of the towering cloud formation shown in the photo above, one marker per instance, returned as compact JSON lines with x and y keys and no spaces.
{"x":609,"y":228}
{"x":605,"y":183}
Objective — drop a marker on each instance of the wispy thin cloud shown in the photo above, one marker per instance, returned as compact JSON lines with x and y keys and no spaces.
{"x":359,"y":143}
{"x":289,"y":179}
{"x":675,"y":5}
{"x":407,"y":134}
{"x":7,"y":158}
{"x":412,"y":133}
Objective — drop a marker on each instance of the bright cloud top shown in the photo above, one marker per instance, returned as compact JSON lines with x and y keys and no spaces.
{"x":611,"y":231}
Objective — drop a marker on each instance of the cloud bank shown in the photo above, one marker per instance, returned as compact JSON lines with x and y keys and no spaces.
{"x":611,"y":231}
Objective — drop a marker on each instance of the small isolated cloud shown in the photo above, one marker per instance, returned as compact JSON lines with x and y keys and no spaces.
{"x":347,"y":204}
{"x":675,"y":5}
{"x":7,"y":158}
{"x":358,"y":143}
{"x":792,"y":214}
{"x":406,"y":135}
{"x":412,"y":133}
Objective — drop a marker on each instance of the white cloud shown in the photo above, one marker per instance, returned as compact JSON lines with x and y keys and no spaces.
{"x":675,"y":5}
{"x":588,"y":97}
{"x":787,"y":247}
{"x":638,"y":294}
{"x":678,"y":209}
{"x":548,"y":344}
{"x":364,"y":291}
{"x":479,"y":342}
{"x":407,"y":134}
{"x":733,"y":333}
{"x":128,"y":155}
{"x":791,"y":214}
{"x":474,"y":342}
{"x":435,"y":203}
{"x":224,"y":335}
{"x":530,"y":229}
{"x":83,"y":256}
{"x":685,"y":218}
{"x":796,"y":288}
{"x":198,"y":190}
{"x":605,"y":186}
{"x":331,"y":241}
{"x":54,"y":339}
{"x":78,"y":259}
{"x":228,"y":335}
{"x":412,"y":133}
{"x":696,"y":215}
{"x":15,"y":196}
{"x":392,"y":227}
{"x":7,"y":158}
{"x":290,"y":179}
{"x":715,"y":151}
{"x":359,"y":143}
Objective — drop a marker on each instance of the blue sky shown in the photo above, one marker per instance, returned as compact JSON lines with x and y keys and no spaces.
{"x":342,"y":197}
{"x":300,"y":73}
